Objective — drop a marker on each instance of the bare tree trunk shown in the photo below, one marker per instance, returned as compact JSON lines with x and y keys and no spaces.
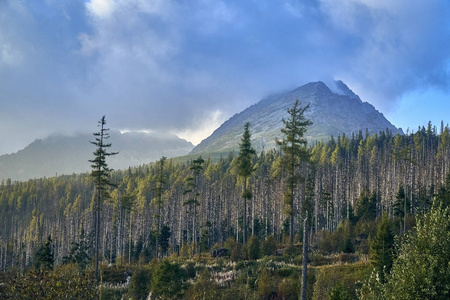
{"x":305,"y":256}
{"x":97,"y":235}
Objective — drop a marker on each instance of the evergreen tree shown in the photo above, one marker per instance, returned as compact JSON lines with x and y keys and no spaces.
{"x":443,"y":197}
{"x":245,"y":170}
{"x":366,"y":206}
{"x":253,"y":248}
{"x":293,"y":146}
{"x":161,"y":181}
{"x":100,"y":174}
{"x":382,"y":248}
{"x":339,"y":292}
{"x":79,"y":253}
{"x":168,"y":280}
{"x":421,"y":270}
{"x":163,"y":239}
{"x":44,"y":256}
{"x":192,"y":189}
{"x":401,"y":206}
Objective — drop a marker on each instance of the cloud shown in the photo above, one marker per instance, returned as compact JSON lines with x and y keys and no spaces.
{"x":101,"y":8}
{"x":181,"y":66}
{"x":400,"y":45}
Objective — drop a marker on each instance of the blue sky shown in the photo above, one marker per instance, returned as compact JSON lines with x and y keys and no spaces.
{"x":184,"y":67}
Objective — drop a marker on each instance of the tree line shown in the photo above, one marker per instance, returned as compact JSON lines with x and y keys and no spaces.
{"x":162,"y":208}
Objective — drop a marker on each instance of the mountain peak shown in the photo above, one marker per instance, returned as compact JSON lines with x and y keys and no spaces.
{"x":334,"y":109}
{"x":342,"y":89}
{"x":317,"y":88}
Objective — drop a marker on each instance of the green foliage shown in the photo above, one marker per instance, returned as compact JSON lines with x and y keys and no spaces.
{"x":100,"y":171}
{"x":289,"y":288}
{"x":253,"y":248}
{"x":267,"y":287}
{"x":100,"y":174}
{"x":192,"y":182}
{"x":160,"y":181}
{"x":345,"y":231}
{"x":59,"y":205}
{"x":79,"y":253}
{"x":349,"y":275}
{"x":443,"y":197}
{"x":348,"y":245}
{"x":245,"y":170}
{"x":189,"y":270}
{"x":168,"y":280}
{"x":293,"y":147}
{"x":163,"y":238}
{"x":204,"y":288}
{"x":291,"y":251}
{"x":246,"y":154}
{"x":63,"y":283}
{"x":285,"y":272}
{"x":234,"y":249}
{"x":339,"y":292}
{"x":44,"y":256}
{"x":204,"y":241}
{"x":382,"y":248}
{"x":269,"y":246}
{"x":337,"y":241}
{"x":402,"y":203}
{"x":139,"y":286}
{"x":366,"y":206}
{"x":422,"y":267}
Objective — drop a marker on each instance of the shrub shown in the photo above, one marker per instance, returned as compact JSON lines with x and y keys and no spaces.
{"x":253,"y":248}
{"x":190,"y":271}
{"x":422,"y":268}
{"x":168,"y":280}
{"x":292,"y":251}
{"x":267,"y":286}
{"x":204,"y":287}
{"x":349,"y":275}
{"x":269,"y":246}
{"x":285,"y":272}
{"x":339,"y":292}
{"x":234,"y":249}
{"x":59,"y":284}
{"x":139,"y":286}
{"x":289,"y":288}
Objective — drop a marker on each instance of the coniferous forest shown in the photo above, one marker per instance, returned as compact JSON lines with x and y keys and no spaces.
{"x":207,"y":224}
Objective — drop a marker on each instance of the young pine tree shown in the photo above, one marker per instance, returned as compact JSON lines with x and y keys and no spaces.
{"x":245,"y":170}
{"x":100,"y":174}
{"x":293,"y":147}
{"x":382,"y":249}
{"x":44,"y":258}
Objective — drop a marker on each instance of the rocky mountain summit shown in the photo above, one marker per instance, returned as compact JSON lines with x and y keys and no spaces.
{"x":333,"y":111}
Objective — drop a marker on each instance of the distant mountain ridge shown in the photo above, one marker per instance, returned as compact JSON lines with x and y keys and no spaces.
{"x":333,"y":113}
{"x":59,"y":154}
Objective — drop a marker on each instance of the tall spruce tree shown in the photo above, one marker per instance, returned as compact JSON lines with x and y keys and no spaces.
{"x":245,"y":170}
{"x":193,"y":199}
{"x":293,"y":147}
{"x":161,"y":181}
{"x":100,"y":174}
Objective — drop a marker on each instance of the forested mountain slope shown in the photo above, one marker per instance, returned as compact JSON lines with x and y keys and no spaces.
{"x":363,"y":174}
{"x":333,"y":113}
{"x":70,"y":154}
